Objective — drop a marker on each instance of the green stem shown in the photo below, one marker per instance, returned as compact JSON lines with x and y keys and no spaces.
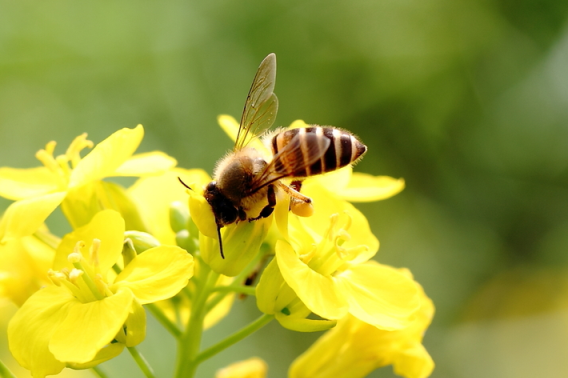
{"x":248,"y":290}
{"x":234,"y":338}
{"x":98,"y":372}
{"x":5,"y":372}
{"x":236,"y":281}
{"x":163,"y":319}
{"x":190,"y":341}
{"x":141,"y":361}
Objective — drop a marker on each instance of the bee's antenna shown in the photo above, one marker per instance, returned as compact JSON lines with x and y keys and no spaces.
{"x":184,"y":184}
{"x":220,"y":241}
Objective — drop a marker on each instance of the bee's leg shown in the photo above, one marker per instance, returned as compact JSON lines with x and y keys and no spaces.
{"x":268,"y":209}
{"x":242,"y":214}
{"x":300,"y":204}
{"x":296,"y":185}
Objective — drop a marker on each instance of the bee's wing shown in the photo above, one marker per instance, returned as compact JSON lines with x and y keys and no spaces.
{"x":261,"y":104}
{"x":292,"y":160}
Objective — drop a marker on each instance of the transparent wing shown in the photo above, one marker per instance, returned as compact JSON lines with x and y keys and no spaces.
{"x":261,"y":105}
{"x":292,"y":160}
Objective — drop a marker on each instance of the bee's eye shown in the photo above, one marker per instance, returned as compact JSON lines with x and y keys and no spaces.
{"x":211,"y":186}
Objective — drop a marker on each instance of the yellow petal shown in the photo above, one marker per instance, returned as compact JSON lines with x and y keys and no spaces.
{"x":268,"y":288}
{"x":241,"y":243}
{"x":326,"y":205}
{"x":335,"y":181}
{"x":17,"y":184}
{"x":158,"y":273}
{"x":380,"y":295}
{"x":319,"y":293}
{"x":88,"y":327}
{"x":413,"y":362}
{"x":153,"y":196}
{"x":281,"y":215}
{"x":107,"y":156}
{"x":108,"y":352}
{"x":32,"y":328}
{"x":24,"y":217}
{"x":367,"y":188}
{"x":83,"y":202}
{"x":106,"y":226}
{"x":24,"y":264}
{"x":202,"y":214}
{"x":148,"y":163}
{"x":252,"y":368}
{"x":135,"y":325}
{"x":303,"y":324}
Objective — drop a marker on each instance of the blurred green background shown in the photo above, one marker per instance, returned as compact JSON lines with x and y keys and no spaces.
{"x":465,"y":99}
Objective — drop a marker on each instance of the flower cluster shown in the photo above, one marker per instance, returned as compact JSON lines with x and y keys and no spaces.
{"x":155,"y":245}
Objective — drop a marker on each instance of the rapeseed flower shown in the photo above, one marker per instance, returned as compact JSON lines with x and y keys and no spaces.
{"x":78,"y":320}
{"x":38,"y":191}
{"x":24,"y":263}
{"x":353,"y":349}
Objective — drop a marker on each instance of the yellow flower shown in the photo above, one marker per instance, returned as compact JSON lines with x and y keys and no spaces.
{"x":252,"y":368}
{"x":23,"y":267}
{"x":325,"y":263}
{"x":354,"y":349}
{"x":38,"y":191}
{"x":154,"y":196}
{"x":74,"y":321}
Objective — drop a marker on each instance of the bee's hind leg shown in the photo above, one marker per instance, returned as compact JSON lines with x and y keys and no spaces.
{"x":268,"y":209}
{"x":300,"y":204}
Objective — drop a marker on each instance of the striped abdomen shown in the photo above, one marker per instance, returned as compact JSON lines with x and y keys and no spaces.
{"x":313,"y":150}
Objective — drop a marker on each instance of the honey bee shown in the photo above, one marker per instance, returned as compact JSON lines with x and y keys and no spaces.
{"x":245,"y":184}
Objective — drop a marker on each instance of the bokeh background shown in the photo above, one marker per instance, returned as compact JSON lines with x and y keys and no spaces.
{"x":465,"y":99}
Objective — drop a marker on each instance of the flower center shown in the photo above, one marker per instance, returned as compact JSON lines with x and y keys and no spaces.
{"x":329,"y":254}
{"x":84,"y":280}
{"x":62,"y":165}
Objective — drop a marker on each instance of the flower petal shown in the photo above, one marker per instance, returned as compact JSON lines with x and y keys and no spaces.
{"x":319,"y":293}
{"x":336,"y":181}
{"x":380,"y":295}
{"x":24,"y":264}
{"x":241,"y":243}
{"x":24,"y":217}
{"x":106,"y":226}
{"x":413,"y":362}
{"x":32,"y":327}
{"x":252,"y":368}
{"x":88,"y":327}
{"x":17,"y":184}
{"x":153,"y":196}
{"x":148,"y":163}
{"x":108,"y":352}
{"x":326,"y":205}
{"x":135,"y":325}
{"x":158,"y":273}
{"x":304,"y":325}
{"x":367,"y":188}
{"x":107,"y":156}
{"x":268,"y":288}
{"x":202,"y":214}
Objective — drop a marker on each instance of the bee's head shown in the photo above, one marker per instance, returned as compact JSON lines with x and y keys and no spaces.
{"x":223,"y":209}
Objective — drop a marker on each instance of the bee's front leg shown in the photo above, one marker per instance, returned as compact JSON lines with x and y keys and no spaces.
{"x":268,"y":209}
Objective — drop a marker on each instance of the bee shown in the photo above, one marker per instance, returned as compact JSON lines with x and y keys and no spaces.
{"x":245,"y":184}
